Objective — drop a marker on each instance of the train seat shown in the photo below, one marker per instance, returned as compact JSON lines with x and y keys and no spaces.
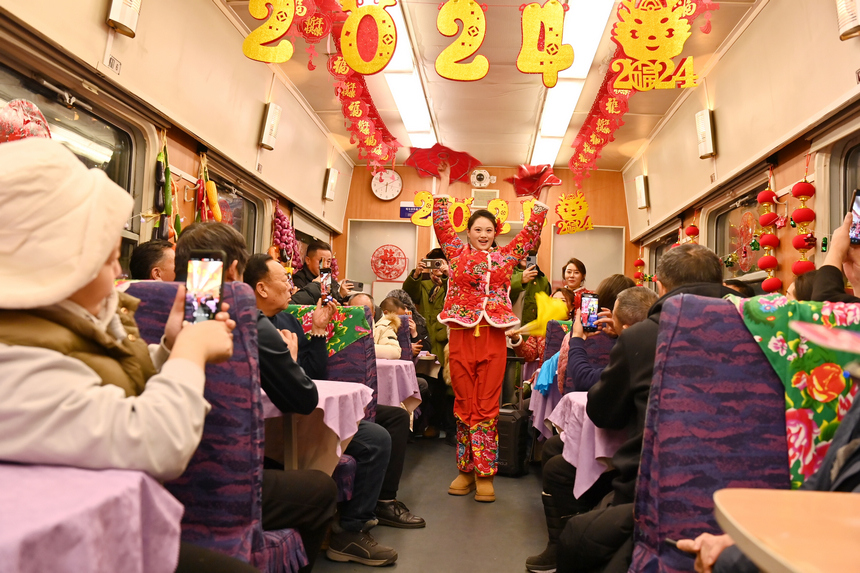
{"x":716,"y":419}
{"x":404,"y":339}
{"x":222,"y":486}
{"x":555,"y":331}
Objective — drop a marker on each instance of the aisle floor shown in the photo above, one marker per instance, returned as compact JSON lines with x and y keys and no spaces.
{"x":499,"y":535}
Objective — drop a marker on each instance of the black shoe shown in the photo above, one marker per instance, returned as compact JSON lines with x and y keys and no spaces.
{"x":545,"y":562}
{"x":361,"y":547}
{"x":451,"y":439}
{"x":396,"y":514}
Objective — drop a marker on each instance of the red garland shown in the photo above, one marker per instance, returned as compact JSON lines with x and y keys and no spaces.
{"x":609,"y":108}
{"x":803,"y":216}
{"x":768,"y":263}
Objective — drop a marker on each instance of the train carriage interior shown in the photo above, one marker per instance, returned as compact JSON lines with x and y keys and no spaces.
{"x":591,"y":259}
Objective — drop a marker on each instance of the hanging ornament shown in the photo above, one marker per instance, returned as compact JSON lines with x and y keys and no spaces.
{"x":449,"y":63}
{"x":824,"y":245}
{"x":768,"y":263}
{"x":639,"y":264}
{"x":803,"y":216}
{"x":367,"y":50}
{"x":754,"y":244}
{"x":542,"y":51}
{"x":573,"y":212}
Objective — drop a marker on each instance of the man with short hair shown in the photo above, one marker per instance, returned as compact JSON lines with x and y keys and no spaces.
{"x":559,"y":475}
{"x":309,"y":279}
{"x":153,"y":260}
{"x":304,"y":500}
{"x":602,"y":539}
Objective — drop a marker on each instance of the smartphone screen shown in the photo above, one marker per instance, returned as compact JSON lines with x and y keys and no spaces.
{"x":203,"y":285}
{"x":588,"y":312}
{"x":325,"y":281}
{"x":854,"y":232}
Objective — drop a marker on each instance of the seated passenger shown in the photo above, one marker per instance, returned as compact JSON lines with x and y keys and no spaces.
{"x":840,"y":472}
{"x":631,"y":307}
{"x":801,"y":288}
{"x":828,"y":284}
{"x":153,"y":260}
{"x":78,"y":387}
{"x":385,"y":329}
{"x":417,"y":323}
{"x":532,"y":349}
{"x":602,"y":539}
{"x":297,"y":499}
{"x":741,"y":287}
{"x":309,"y":279}
{"x":573,"y":274}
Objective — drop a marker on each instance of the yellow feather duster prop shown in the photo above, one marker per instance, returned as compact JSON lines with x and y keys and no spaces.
{"x":548,"y":308}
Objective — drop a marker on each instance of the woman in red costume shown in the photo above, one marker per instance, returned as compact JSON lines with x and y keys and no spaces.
{"x":478,"y":311}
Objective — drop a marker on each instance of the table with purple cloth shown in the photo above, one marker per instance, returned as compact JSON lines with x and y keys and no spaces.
{"x":586,"y":447}
{"x":541,"y":407}
{"x":398,"y":384}
{"x":63,"y":519}
{"x":317,"y":440}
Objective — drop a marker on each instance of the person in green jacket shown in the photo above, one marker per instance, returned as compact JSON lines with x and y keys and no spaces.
{"x":427,"y":289}
{"x":528,"y":281}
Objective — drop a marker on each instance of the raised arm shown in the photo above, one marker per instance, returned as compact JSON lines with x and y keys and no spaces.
{"x":525,"y":239}
{"x":445,"y":233}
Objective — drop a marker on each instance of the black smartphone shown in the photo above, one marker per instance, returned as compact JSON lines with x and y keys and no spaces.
{"x":531,"y":261}
{"x":854,"y":232}
{"x":671,"y":542}
{"x":588,"y":310}
{"x":204,"y":285}
{"x":357,"y":286}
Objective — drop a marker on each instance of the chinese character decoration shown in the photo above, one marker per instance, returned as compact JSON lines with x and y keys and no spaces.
{"x":644,"y":66}
{"x":449,"y":63}
{"x":388,"y":262}
{"x":313,"y":29}
{"x":804,"y":241}
{"x":573,"y":211}
{"x":768,"y":240}
{"x":542,"y":51}
{"x":530,"y":179}
{"x":650,"y":34}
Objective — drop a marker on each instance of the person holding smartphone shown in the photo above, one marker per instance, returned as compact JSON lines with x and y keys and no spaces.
{"x":315,"y":279}
{"x":526,"y":281}
{"x":477,"y":311}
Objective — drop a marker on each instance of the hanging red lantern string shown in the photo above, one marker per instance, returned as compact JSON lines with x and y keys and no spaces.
{"x":803,"y":216}
{"x":639,"y":276}
{"x":692,"y":230}
{"x":768,"y":240}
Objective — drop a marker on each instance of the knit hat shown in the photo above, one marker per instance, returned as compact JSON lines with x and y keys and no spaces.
{"x":59,"y":222}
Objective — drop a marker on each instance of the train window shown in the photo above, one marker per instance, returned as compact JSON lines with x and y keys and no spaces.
{"x":96,"y":142}
{"x":735,"y":232}
{"x":238,"y":211}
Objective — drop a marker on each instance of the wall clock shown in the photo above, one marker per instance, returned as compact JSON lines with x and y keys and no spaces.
{"x":387,"y":185}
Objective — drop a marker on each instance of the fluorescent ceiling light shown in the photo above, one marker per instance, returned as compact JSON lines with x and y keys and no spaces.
{"x":424,"y":139}
{"x":584,"y":24}
{"x":546,"y":150}
{"x":401,"y":61}
{"x":409,"y":97}
{"x":81,"y":145}
{"x":558,"y":107}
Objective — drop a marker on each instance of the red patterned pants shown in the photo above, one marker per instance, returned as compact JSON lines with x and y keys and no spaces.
{"x":477,"y":366}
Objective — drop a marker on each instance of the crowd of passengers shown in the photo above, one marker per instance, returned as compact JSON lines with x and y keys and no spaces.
{"x":79,"y":387}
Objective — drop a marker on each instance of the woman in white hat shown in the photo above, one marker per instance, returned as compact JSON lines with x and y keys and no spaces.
{"x":72,"y":373}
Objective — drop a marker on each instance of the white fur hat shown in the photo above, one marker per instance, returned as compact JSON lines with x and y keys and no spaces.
{"x":59,"y":222}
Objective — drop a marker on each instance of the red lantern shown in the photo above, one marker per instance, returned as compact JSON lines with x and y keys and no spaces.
{"x":803,"y":189}
{"x":638,"y":263}
{"x":804,"y":215}
{"x":802,"y":267}
{"x":803,"y":242}
{"x":767,"y":219}
{"x":769,"y":241}
{"x":692,"y":231}
{"x":767,"y":263}
{"x":766,"y":196}
{"x":638,"y":275}
{"x":772,"y":284}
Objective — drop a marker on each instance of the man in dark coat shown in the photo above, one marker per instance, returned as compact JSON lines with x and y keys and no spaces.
{"x":602,"y":539}
{"x":310,"y":281}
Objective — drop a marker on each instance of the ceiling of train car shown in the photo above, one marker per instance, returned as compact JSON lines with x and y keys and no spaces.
{"x":497,"y":119}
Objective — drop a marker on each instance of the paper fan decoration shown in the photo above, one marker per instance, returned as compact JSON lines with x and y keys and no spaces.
{"x":21,"y":119}
{"x":531,"y":178}
{"x":388,"y":262}
{"x":426,"y":162}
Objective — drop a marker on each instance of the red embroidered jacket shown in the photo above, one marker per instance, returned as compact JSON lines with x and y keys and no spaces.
{"x":480,"y":280}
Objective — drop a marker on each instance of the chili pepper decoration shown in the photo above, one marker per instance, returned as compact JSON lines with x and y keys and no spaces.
{"x":212,"y":196}
{"x":199,"y":208}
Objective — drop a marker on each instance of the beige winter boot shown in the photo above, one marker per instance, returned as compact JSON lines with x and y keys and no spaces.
{"x":462,"y":484}
{"x":485,"y":491}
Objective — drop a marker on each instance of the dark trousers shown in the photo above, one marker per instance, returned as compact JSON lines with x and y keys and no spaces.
{"x":599,"y":541}
{"x":371,"y":448}
{"x":194,"y":559}
{"x":304,"y":500}
{"x":442,"y":404}
{"x":396,"y":422}
{"x":559,"y":477}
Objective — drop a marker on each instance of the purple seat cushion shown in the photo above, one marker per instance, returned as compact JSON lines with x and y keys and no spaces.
{"x":555,"y":332}
{"x":404,"y":339}
{"x":222,"y":486}
{"x":715,"y":419}
{"x":597,"y":347}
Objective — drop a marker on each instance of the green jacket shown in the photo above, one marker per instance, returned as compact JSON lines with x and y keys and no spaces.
{"x":538,"y":284}
{"x":420,"y":291}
